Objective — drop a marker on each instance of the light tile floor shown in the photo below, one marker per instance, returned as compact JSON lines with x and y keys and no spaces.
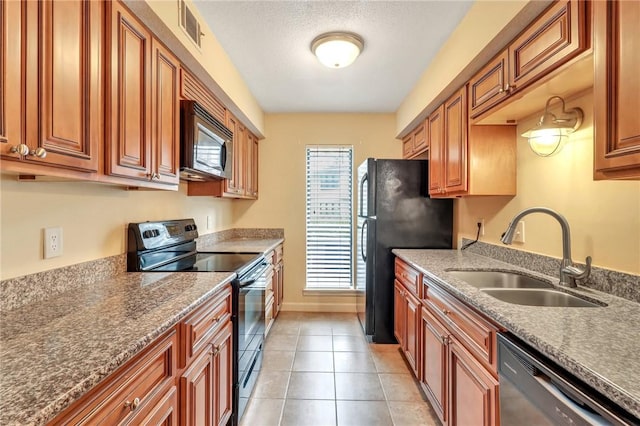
{"x":319,"y":370}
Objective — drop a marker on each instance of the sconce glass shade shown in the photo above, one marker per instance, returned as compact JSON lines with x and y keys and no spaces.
{"x":548,"y":136}
{"x":337,"y":49}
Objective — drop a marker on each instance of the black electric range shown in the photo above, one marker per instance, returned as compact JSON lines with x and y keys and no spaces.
{"x":169,"y":246}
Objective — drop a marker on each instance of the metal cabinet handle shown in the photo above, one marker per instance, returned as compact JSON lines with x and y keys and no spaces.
{"x":153,"y":176}
{"x":446,"y":312}
{"x":216,"y":350}
{"x":20,"y":149}
{"x":132,"y":405}
{"x":38,"y":152}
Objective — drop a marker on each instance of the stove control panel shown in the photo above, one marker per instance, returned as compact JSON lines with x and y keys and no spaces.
{"x":152,"y":235}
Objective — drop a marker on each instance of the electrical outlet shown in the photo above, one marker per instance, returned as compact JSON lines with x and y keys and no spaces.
{"x":52,"y":242}
{"x":209,"y":221}
{"x":481,"y":222}
{"x":518,"y":237}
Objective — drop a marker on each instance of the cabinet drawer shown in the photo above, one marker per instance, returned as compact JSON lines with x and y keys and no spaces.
{"x":198,"y":329}
{"x":408,"y":276}
{"x":475,"y":332}
{"x":133,"y":388}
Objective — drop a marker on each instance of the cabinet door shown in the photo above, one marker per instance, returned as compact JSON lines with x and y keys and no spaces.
{"x":412,"y":333}
{"x":196,"y":390}
{"x":280,"y":285}
{"x":489,"y":86}
{"x":407,"y":146}
{"x":129,"y":129}
{"x":162,"y":413}
{"x":252,"y":166}
{"x":223,"y":376}
{"x":68,"y":94}
{"x":617,"y":89}
{"x":165,"y":105}
{"x":436,"y":152}
{"x":473,"y":392}
{"x":554,"y":38}
{"x":455,"y":142}
{"x":434,"y":363}
{"x":12,"y":49}
{"x":231,"y":183}
{"x":420,"y":141}
{"x":399,"y":315}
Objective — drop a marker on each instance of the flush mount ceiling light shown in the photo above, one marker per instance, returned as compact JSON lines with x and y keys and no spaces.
{"x":550,"y":133}
{"x":337,"y":49}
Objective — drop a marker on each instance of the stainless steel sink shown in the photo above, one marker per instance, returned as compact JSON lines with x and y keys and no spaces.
{"x":538,"y":297}
{"x":495,"y":279}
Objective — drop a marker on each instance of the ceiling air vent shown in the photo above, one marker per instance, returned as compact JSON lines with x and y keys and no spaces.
{"x":189,"y":23}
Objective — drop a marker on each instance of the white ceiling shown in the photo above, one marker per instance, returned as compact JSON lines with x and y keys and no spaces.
{"x":268,"y":41}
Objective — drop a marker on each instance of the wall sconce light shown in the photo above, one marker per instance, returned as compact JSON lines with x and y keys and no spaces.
{"x":337,"y":49}
{"x":551,"y":132}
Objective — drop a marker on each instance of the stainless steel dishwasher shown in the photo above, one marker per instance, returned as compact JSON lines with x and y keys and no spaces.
{"x":534,"y":391}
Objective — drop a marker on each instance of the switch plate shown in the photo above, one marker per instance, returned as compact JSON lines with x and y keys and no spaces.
{"x":518,"y":237}
{"x":52,"y":242}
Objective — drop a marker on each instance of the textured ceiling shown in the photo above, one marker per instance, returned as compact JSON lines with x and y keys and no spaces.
{"x":268,"y":41}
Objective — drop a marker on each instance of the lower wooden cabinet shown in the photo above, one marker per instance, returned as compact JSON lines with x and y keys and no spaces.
{"x":451,"y":349}
{"x":154,"y":388}
{"x":473,"y":391}
{"x":278,"y":278}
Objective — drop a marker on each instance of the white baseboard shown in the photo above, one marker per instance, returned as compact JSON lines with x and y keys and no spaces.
{"x":319,"y":307}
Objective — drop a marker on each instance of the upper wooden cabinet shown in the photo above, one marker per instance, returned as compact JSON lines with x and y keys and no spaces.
{"x":555,"y":37}
{"x":252,"y":166}
{"x":51,"y":86}
{"x":143,"y":129}
{"x":469,"y":160}
{"x":558,"y":36}
{"x":617,"y":89}
{"x":416,"y":143}
{"x":192,"y":89}
{"x":490,"y":85}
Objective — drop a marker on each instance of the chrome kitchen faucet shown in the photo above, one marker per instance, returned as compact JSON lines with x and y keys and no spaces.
{"x":569,"y":272}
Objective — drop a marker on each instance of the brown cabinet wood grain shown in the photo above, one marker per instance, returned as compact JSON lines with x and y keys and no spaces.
{"x":223,"y":375}
{"x":196,"y":391}
{"x":473,"y":393}
{"x":455,"y":142}
{"x":407,"y":146}
{"x":252,"y":166}
{"x":192,"y":89}
{"x":162,"y":413}
{"x":412,"y":332}
{"x":143,"y":129}
{"x":399,"y":313}
{"x":416,"y":143}
{"x":52,"y":85}
{"x":434,"y":380}
{"x":490,"y":85}
{"x":617,"y":90}
{"x":165,"y":110}
{"x":555,"y":37}
{"x":128,"y":144}
{"x":436,"y":152}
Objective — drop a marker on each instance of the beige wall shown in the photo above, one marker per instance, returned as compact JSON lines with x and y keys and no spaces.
{"x":93,"y":218}
{"x":213,"y":58}
{"x":482,"y":23}
{"x":604,"y":215}
{"x":282,"y":184}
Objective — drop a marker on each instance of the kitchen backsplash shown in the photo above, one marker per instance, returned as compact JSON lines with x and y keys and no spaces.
{"x":20,"y":291}
{"x":613,"y":282}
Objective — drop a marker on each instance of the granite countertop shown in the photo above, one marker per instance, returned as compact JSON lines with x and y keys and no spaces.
{"x":241,"y":245}
{"x":598,"y":345}
{"x":53,"y":351}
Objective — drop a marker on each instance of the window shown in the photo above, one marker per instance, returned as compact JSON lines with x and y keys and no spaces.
{"x":329,"y":217}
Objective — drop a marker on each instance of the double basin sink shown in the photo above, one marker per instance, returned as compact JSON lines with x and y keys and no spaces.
{"x":520,"y":289}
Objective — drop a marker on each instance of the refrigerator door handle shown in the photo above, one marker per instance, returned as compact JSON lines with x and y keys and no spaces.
{"x":362,"y":253}
{"x":364,"y":179}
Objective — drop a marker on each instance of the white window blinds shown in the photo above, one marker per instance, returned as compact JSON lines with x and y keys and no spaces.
{"x":329,"y":217}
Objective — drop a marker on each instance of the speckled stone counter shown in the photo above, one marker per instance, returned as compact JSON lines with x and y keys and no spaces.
{"x":599,"y":345}
{"x":53,"y":351}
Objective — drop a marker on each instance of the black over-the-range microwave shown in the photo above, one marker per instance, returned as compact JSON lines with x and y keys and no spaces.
{"x":206,"y":148}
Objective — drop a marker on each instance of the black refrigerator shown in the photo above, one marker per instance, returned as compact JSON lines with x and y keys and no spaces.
{"x":394,"y":211}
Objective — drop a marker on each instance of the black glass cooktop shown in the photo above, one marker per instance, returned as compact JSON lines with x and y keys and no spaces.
{"x":212,"y":262}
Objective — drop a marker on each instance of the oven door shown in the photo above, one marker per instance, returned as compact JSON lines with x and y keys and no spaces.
{"x":251,"y":324}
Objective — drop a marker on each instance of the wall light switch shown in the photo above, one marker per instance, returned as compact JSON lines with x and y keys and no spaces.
{"x":519,"y":235}
{"x":52,"y":242}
